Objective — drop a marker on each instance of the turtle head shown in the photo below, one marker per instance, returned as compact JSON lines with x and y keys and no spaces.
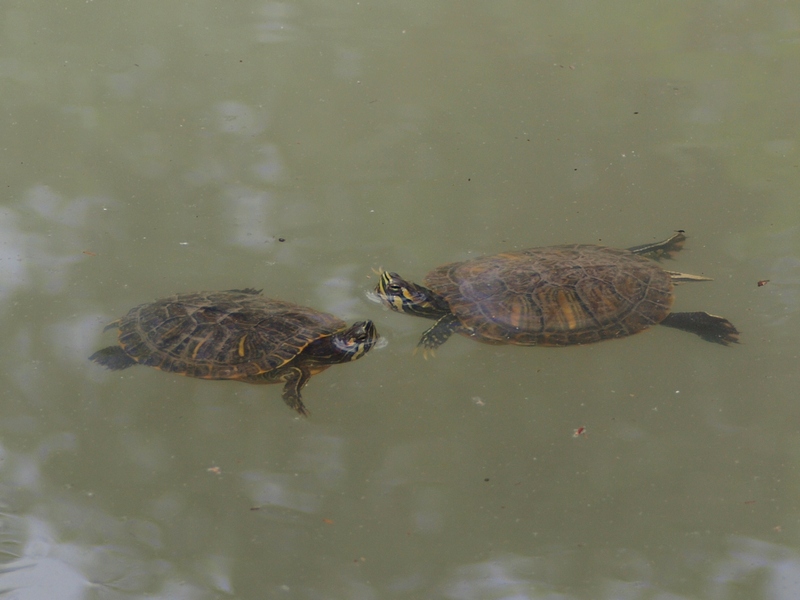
{"x":355,"y":342}
{"x":404,"y":296}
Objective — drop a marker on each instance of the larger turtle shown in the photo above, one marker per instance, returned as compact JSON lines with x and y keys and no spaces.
{"x":552,"y":296}
{"x":238,"y":335}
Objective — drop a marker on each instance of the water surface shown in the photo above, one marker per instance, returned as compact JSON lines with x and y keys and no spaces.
{"x":152,"y":148}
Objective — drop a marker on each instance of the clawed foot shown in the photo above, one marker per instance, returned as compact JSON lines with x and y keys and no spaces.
{"x":426,"y":350}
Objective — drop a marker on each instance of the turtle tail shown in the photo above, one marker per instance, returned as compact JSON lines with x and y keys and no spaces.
{"x":113,"y":358}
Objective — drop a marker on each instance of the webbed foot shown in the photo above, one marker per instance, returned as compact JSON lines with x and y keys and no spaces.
{"x":711,"y":328}
{"x":112,"y":357}
{"x":663,"y":249}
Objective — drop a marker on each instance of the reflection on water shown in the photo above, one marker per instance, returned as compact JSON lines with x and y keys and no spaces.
{"x":35,"y":237}
{"x":41,"y":564}
{"x":316,"y":470}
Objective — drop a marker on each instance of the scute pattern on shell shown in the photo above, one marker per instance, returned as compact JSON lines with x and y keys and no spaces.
{"x":554,"y":296}
{"x":236,"y":334}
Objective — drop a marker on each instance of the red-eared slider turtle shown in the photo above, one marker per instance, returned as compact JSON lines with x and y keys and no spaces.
{"x":238,"y":335}
{"x":552,"y":296}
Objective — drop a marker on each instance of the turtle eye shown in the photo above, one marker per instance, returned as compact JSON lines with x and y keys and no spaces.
{"x":394,"y":289}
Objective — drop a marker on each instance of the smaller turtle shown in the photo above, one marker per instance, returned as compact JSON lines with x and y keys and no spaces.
{"x":552,"y":296}
{"x":238,"y":335}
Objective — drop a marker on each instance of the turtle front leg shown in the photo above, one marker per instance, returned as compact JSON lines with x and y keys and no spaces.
{"x":295,"y":378}
{"x":438,"y":334}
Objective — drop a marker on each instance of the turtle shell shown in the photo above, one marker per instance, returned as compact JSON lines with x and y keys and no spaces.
{"x":554,"y":296}
{"x":235,"y":334}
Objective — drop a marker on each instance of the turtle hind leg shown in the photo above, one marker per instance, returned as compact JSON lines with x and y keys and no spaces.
{"x":709,"y":327}
{"x":113,"y":358}
{"x":438,"y":334}
{"x":663,"y":249}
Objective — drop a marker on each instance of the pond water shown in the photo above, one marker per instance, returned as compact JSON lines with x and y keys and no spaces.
{"x":151,"y":148}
